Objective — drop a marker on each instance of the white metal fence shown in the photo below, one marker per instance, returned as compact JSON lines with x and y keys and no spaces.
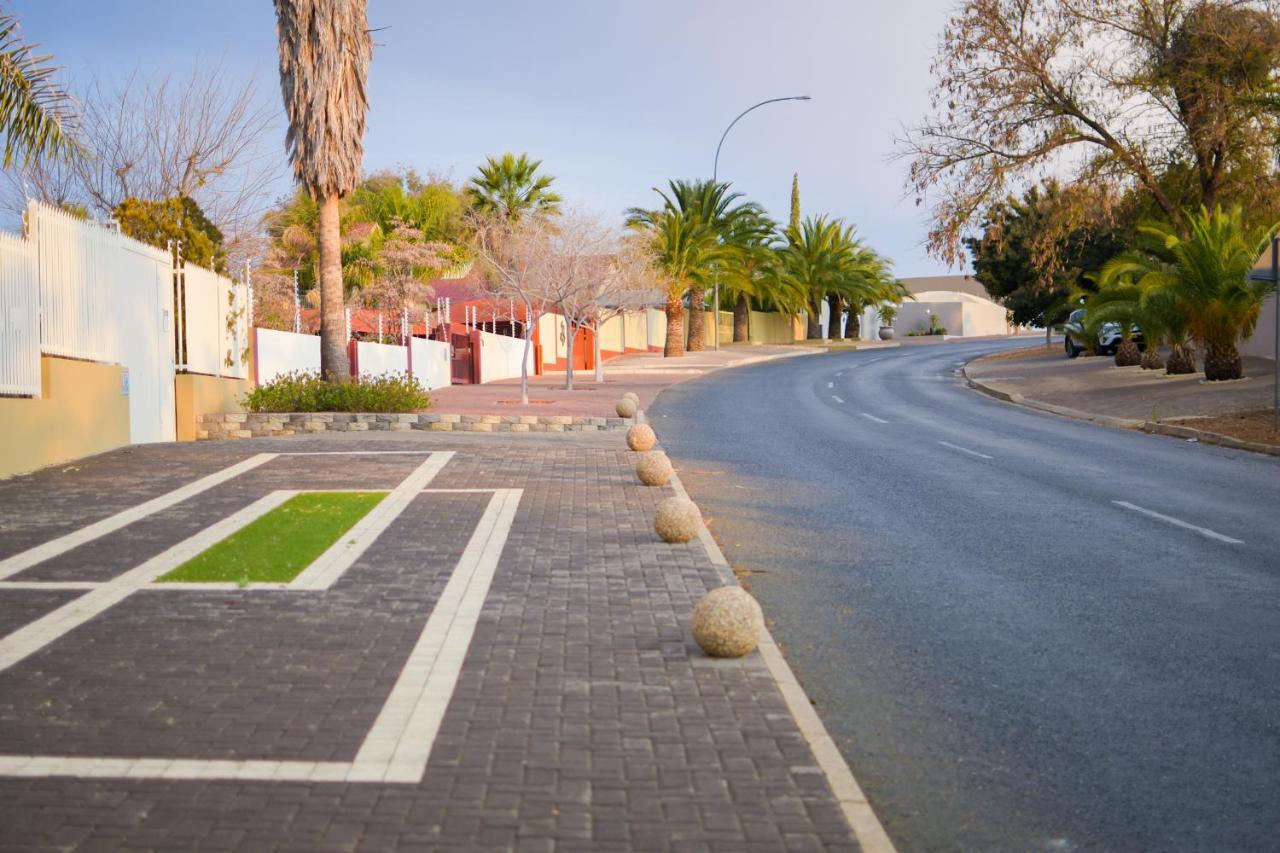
{"x":19,"y":317}
{"x":213,"y":319}
{"x":80,"y":289}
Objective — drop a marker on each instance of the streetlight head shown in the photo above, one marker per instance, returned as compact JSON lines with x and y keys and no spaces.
{"x":803,"y":98}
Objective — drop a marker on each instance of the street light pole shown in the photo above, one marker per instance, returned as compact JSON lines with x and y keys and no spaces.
{"x":715,"y":172}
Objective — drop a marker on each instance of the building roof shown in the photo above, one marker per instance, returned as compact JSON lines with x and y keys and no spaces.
{"x":953,"y":283}
{"x":927,"y":296}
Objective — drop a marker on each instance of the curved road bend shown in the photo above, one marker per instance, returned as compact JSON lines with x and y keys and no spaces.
{"x":1008,"y":656}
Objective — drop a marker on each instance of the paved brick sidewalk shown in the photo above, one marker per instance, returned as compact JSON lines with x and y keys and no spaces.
{"x":582,"y":717}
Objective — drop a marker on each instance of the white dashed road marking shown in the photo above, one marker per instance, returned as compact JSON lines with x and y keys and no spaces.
{"x":837,"y":399}
{"x":872,"y":417}
{"x":965,"y":450}
{"x":1177,"y":522}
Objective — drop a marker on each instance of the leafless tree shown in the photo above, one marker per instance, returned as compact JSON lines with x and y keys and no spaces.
{"x":202,"y":134}
{"x":518,"y":256}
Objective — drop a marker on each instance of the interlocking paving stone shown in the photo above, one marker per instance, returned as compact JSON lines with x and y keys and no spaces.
{"x":20,"y":606}
{"x":584,"y":718}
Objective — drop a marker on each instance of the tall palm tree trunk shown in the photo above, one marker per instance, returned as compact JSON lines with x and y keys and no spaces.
{"x":674,"y":346}
{"x":835,"y":311}
{"x":741,"y":319}
{"x":1222,"y":363}
{"x":697,"y":318}
{"x":333,"y":344}
{"x":814,"y":319}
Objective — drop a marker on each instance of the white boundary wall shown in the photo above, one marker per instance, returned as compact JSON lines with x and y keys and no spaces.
{"x":19,"y":317}
{"x":500,"y":357}
{"x":279,"y":353}
{"x":215,"y":317}
{"x":378,"y":359}
{"x":431,"y":366}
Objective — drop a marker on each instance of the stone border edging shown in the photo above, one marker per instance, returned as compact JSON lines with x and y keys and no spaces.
{"x":857,"y":811}
{"x":235,"y":425}
{"x":1151,"y":427}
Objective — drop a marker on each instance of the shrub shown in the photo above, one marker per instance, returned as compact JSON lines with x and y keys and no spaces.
{"x":303,"y":391}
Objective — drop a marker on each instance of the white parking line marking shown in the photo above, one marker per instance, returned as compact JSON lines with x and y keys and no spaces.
{"x":965,"y":450}
{"x":872,"y":417}
{"x":26,"y":559}
{"x":831,"y":384}
{"x":837,"y":399}
{"x":1177,"y":522}
{"x":34,"y":636}
{"x":341,"y":555}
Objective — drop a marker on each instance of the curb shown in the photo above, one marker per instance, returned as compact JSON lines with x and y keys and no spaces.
{"x":857,"y":811}
{"x":1150,"y":427}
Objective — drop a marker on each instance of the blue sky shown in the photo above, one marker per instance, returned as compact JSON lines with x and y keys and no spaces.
{"x":614,"y":97}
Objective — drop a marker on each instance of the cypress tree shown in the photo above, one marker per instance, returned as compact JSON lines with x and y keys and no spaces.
{"x":795,"y":200}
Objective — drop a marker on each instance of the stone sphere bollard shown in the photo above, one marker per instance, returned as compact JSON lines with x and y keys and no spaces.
{"x":677,"y":520}
{"x":626,"y":408}
{"x":632,"y":395}
{"x":641,"y":437}
{"x":654,"y":468}
{"x":727,"y":622}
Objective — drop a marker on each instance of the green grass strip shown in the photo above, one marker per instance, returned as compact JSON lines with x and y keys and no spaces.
{"x":279,"y":545}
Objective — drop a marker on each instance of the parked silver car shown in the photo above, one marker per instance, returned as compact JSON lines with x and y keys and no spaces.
{"x":1109,"y":336}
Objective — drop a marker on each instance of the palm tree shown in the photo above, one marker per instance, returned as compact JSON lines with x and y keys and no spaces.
{"x":325,"y":48}
{"x":824,"y":257}
{"x":510,"y":186}
{"x":728,"y":220}
{"x":1205,"y":276}
{"x":35,"y":112}
{"x":684,"y":248}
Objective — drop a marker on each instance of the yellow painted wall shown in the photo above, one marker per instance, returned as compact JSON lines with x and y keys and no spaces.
{"x":195,"y":395}
{"x":82,"y":411}
{"x":611,"y":334}
{"x":767,"y":327}
{"x":636,"y":330}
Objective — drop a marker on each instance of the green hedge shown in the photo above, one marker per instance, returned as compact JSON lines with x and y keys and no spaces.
{"x":306,"y":392}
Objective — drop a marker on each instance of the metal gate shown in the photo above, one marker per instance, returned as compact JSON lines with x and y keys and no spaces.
{"x":462,"y":359}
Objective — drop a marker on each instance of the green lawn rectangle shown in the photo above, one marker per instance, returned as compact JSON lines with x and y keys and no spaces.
{"x":280,"y":544}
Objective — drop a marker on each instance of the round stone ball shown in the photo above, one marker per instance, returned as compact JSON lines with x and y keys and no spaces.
{"x":727,"y":622}
{"x":632,"y":395}
{"x":626,"y":408}
{"x":641,"y":437}
{"x":677,"y":520}
{"x":654,"y":468}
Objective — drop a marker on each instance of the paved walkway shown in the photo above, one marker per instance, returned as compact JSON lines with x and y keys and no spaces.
{"x":498,"y":657}
{"x":1097,"y":386}
{"x":646,"y":374}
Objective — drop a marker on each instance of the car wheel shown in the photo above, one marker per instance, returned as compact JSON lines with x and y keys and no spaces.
{"x":1072,"y":350}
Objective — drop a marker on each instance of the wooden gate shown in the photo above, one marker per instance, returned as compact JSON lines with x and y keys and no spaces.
{"x":462,"y":359}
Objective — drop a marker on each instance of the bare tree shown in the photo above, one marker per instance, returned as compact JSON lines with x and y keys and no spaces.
{"x":518,"y":256}
{"x":1172,"y":96}
{"x":609,"y":285}
{"x":203,"y":135}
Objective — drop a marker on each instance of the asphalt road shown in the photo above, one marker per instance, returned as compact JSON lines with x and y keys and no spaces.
{"x":1008,"y":658}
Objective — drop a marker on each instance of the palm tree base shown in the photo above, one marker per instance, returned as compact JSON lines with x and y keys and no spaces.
{"x":1222,"y":364}
{"x":1181,"y":361}
{"x":1127,"y":354}
{"x":1151,"y":359}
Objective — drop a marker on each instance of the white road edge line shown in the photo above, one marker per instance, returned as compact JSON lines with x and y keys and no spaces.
{"x":1177,"y":522}
{"x":872,"y":417}
{"x":26,"y":559}
{"x":965,"y":450}
{"x":837,"y":399}
{"x":857,"y":811}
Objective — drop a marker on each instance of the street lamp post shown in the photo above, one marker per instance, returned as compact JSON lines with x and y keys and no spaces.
{"x":715,"y":172}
